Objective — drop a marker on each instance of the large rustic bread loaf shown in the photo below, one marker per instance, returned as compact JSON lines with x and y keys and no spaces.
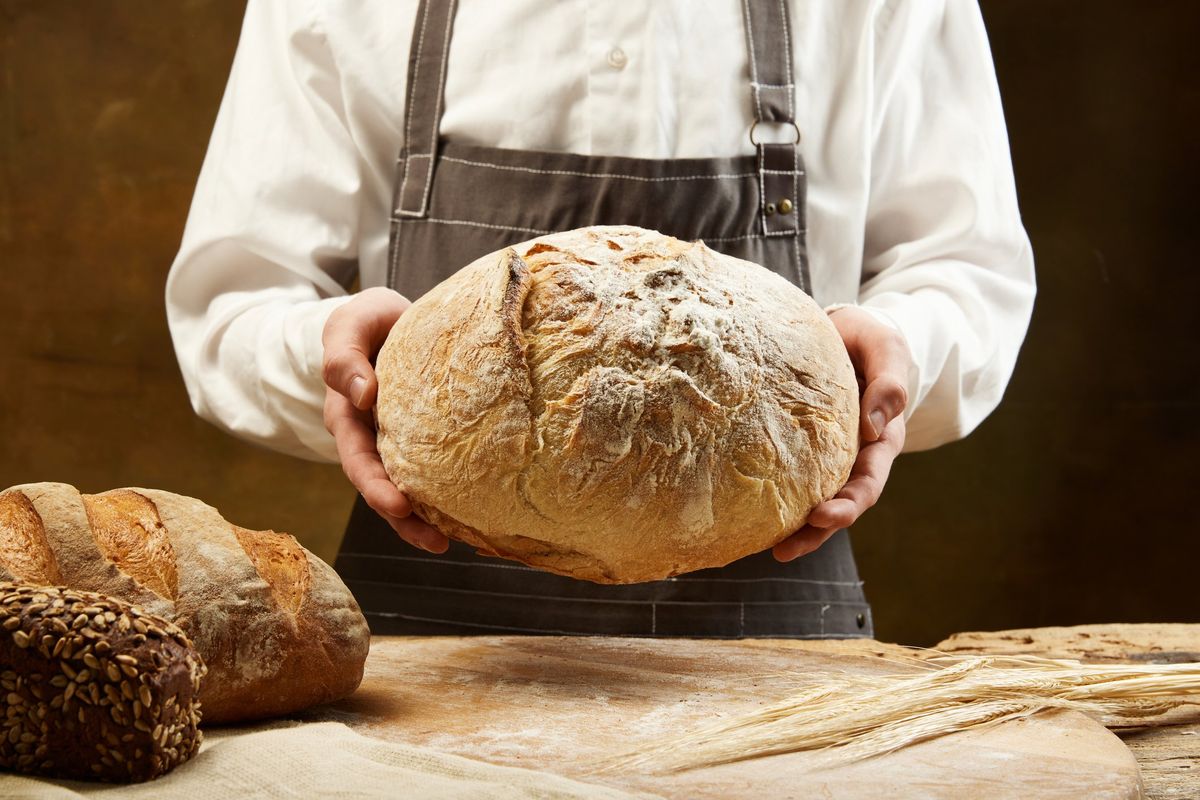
{"x":616,"y":405}
{"x":93,"y":687}
{"x":277,"y":628}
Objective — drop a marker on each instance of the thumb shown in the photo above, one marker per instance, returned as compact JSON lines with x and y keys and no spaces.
{"x":881,"y":357}
{"x":348,"y":371}
{"x":352,"y":335}
{"x":884,"y":399}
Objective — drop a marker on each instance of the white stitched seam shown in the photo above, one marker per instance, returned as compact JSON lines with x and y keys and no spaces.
{"x":742,"y":620}
{"x":824,"y":604}
{"x":416,"y":155}
{"x":541,"y":232}
{"x":409,"y":111}
{"x":769,"y":235}
{"x":753,"y":60}
{"x":394,"y":615}
{"x":676,"y":579}
{"x":805,"y":279}
{"x":776,"y":85}
{"x":653,"y":617}
{"x":762,"y":191}
{"x":596,"y":174}
{"x":437,"y":106}
{"x":474,"y":224}
{"x":783,"y":172}
{"x":787,"y":49}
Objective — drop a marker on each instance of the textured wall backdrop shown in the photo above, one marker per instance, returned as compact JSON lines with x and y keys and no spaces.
{"x":1073,"y":503}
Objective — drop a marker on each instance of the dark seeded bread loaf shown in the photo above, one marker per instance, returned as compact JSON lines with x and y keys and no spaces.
{"x":277,"y":628}
{"x":93,"y":688}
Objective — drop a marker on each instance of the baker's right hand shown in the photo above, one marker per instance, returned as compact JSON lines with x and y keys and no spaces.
{"x":352,"y":338}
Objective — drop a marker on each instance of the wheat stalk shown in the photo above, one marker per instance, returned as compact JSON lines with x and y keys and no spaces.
{"x":853,"y":717}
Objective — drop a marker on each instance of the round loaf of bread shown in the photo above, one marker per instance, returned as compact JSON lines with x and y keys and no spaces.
{"x":616,"y":405}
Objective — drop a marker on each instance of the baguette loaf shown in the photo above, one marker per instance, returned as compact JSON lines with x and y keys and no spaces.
{"x":277,"y":628}
{"x":616,"y":405}
{"x":93,"y":687}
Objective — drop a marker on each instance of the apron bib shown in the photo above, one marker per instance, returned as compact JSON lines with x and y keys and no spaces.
{"x":454,"y":203}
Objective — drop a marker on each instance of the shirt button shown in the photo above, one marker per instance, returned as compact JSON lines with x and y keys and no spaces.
{"x":617,"y":58}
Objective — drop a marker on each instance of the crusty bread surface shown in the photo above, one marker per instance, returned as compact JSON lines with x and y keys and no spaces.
{"x":276,"y":626}
{"x":93,"y":688}
{"x":616,"y":405}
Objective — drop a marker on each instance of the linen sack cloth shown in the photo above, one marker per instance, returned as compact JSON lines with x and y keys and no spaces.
{"x":320,"y":759}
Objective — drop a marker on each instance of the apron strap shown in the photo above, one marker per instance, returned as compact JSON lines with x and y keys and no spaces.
{"x":768,"y":41}
{"x":772,"y":86}
{"x":423,"y":114}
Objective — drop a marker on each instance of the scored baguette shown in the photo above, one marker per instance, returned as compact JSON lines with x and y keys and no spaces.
{"x":275,"y":625}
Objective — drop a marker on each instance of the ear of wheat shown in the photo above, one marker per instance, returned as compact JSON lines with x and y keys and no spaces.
{"x":853,"y":717}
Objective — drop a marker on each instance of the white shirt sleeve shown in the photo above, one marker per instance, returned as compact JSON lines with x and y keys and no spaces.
{"x":947,"y":261}
{"x":271,"y":241}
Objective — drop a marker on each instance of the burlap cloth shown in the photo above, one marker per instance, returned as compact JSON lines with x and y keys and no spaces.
{"x":317,"y":760}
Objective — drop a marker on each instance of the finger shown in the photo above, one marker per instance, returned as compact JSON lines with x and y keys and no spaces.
{"x":355,"y":439}
{"x":801,"y":543}
{"x":865,"y":485}
{"x":352,"y":337}
{"x":419,"y":533}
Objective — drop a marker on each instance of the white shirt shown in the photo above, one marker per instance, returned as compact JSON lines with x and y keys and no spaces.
{"x":912,"y":209}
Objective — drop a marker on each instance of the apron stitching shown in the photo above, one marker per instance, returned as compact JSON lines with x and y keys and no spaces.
{"x":437,"y":109}
{"x":599,"y":174}
{"x":541,"y":232}
{"x":653,"y":618}
{"x":395,"y":615}
{"x":611,"y":601}
{"x":474,"y":224}
{"x":675,"y":579}
{"x":784,"y":171}
{"x":411,"y":96}
{"x":768,"y":235}
{"x":762,"y":191}
{"x":741,"y":619}
{"x":776,"y":85}
{"x":804,"y":279}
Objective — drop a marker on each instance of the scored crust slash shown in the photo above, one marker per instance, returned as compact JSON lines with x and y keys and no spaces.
{"x":616,"y":405}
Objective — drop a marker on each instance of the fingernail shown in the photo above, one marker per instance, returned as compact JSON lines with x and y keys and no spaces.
{"x":358,"y":387}
{"x":878,"y":422}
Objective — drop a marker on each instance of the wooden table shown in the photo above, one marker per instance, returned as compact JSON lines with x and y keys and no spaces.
{"x":559,"y":703}
{"x":1169,"y":755}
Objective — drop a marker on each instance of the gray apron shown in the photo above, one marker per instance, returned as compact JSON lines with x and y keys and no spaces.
{"x":454,"y":203}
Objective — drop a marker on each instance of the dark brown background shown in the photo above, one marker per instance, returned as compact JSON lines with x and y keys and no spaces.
{"x":1073,"y":503}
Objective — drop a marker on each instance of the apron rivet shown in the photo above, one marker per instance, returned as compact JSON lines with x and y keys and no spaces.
{"x":770,"y":209}
{"x":860,"y":620}
{"x":785,"y":206}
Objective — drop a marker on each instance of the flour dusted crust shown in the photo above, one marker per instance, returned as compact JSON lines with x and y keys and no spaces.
{"x":616,"y":405}
{"x":277,"y":628}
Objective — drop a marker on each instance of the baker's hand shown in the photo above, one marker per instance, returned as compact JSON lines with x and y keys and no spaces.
{"x":352,"y":338}
{"x":881,"y":359}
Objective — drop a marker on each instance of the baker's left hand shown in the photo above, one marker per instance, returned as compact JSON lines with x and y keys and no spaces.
{"x":882,"y":361}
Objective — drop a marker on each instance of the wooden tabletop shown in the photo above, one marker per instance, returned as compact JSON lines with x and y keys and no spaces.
{"x":1168,"y":754}
{"x":561,"y":704}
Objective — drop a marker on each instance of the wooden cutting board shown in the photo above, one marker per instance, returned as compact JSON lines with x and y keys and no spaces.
{"x":560,"y":703}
